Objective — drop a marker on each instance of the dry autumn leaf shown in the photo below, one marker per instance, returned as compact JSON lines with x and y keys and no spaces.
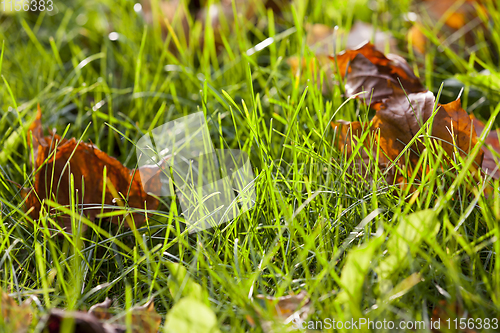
{"x":399,"y":121}
{"x":368,"y":70}
{"x":145,"y":319}
{"x":399,"y":118}
{"x":349,"y":137}
{"x":15,"y":318}
{"x":490,"y":165}
{"x":454,"y":127}
{"x":99,"y":320}
{"x":286,"y":310}
{"x":56,"y":158}
{"x":444,"y":311}
{"x":400,"y":115}
{"x":81,"y":322}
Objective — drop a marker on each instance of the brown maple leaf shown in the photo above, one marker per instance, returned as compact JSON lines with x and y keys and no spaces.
{"x":453,"y":126}
{"x":369,"y":70}
{"x":365,"y":159}
{"x":55,"y":159}
{"x":399,"y":118}
{"x":399,"y":121}
{"x":396,"y":122}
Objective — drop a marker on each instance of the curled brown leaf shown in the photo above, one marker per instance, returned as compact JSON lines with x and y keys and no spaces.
{"x":285,"y":310}
{"x":397,"y":121}
{"x":490,"y":165}
{"x":56,"y":160}
{"x":98,"y":319}
{"x":368,"y":70}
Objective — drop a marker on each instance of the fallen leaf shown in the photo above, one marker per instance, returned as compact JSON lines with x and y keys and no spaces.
{"x":490,"y":165}
{"x":181,"y":284}
{"x":403,"y":243}
{"x":368,"y":70}
{"x":417,"y":38}
{"x":80,"y":322}
{"x":99,"y":320}
{"x":55,"y":158}
{"x":14,"y":318}
{"x":454,"y":127}
{"x":455,"y":19}
{"x":354,"y":273}
{"x":100,"y":310}
{"x":400,"y":114}
{"x":368,"y":155}
{"x":399,"y":121}
{"x":396,"y":122}
{"x":399,"y":118}
{"x":286,"y":311}
{"x":444,"y":311}
{"x":171,"y":12}
{"x":145,"y":319}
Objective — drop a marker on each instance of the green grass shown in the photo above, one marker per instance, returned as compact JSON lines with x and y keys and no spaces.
{"x":360,"y":248}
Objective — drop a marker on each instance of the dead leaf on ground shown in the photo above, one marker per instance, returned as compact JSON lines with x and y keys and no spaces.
{"x":55,"y":158}
{"x":101,"y":310}
{"x":400,"y":115}
{"x":490,"y":165}
{"x":446,"y":310}
{"x":15,"y":318}
{"x":399,"y":118}
{"x":287,"y":311}
{"x":396,"y":122}
{"x":392,"y":128}
{"x":349,"y":136}
{"x":99,"y":320}
{"x":81,"y":322}
{"x":454,"y":127}
{"x":368,"y":70}
{"x":399,"y":122}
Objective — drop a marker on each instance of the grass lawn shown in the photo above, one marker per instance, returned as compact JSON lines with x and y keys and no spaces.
{"x":108,"y":72}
